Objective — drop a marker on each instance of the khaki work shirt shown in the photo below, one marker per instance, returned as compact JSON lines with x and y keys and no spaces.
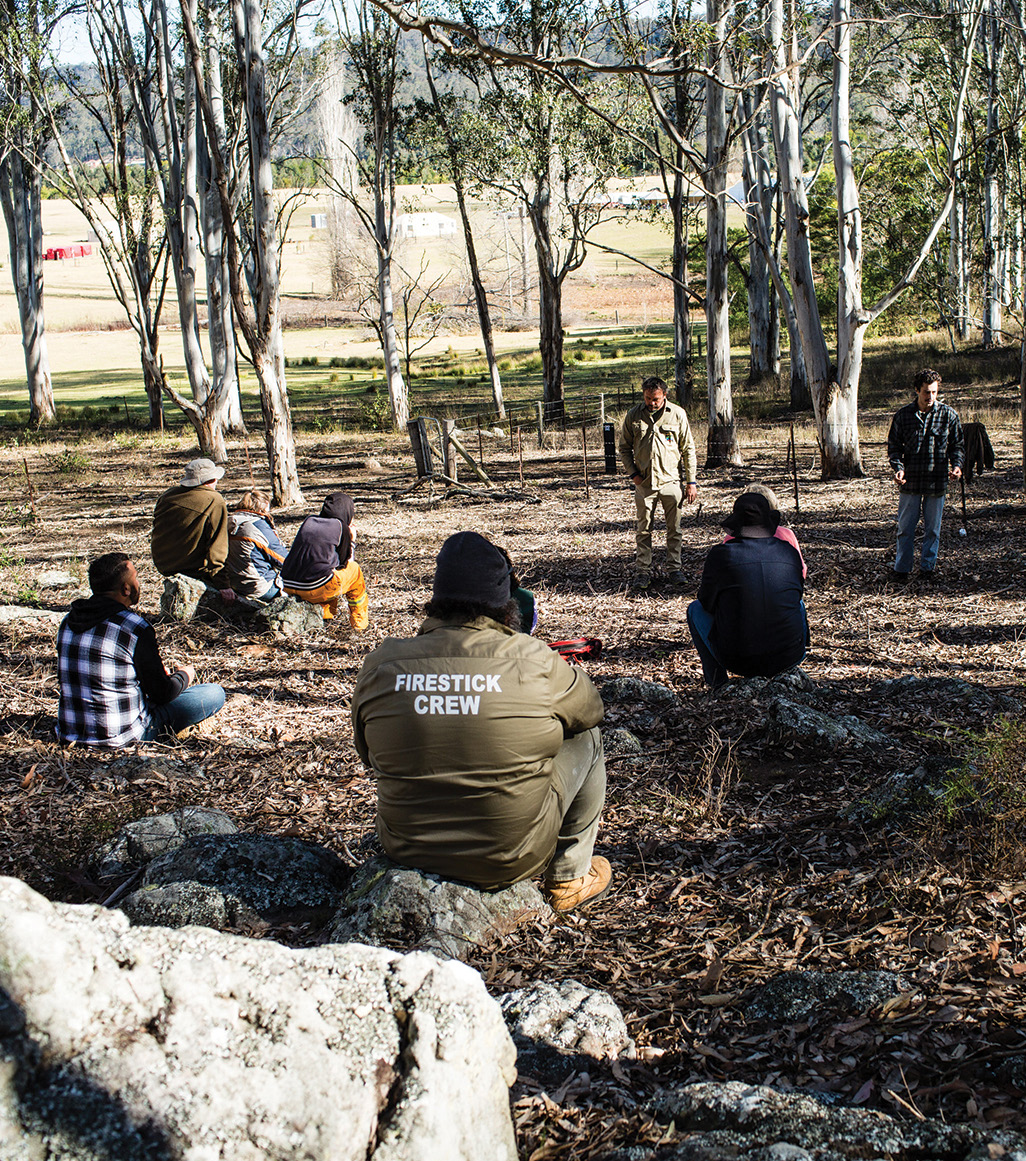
{"x":658,"y":445}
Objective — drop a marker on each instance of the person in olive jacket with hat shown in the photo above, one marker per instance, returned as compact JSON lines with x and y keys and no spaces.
{"x":484,"y":742}
{"x":750,"y":618}
{"x":190,"y":528}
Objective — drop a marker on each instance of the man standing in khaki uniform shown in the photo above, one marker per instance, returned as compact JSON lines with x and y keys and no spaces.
{"x":658,"y":453}
{"x":483,"y":741}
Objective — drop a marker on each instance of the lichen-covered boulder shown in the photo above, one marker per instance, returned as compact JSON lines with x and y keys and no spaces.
{"x":146,"y":1044}
{"x":140,"y":842}
{"x":621,"y":744}
{"x":272,"y":877}
{"x":569,"y":1017}
{"x":636,"y":689}
{"x":181,"y":596}
{"x":723,"y":1122}
{"x":801,"y":995}
{"x":793,"y":722}
{"x":287,"y":617}
{"x":397,"y":906}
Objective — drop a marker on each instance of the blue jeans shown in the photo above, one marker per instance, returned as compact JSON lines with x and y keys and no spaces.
{"x":700,"y":623}
{"x":192,"y":705}
{"x":910,"y":504}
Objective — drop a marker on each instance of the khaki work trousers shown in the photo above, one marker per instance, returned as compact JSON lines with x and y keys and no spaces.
{"x":670,"y":496}
{"x":579,"y":770}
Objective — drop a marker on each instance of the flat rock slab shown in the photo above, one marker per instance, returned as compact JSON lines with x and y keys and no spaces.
{"x":58,"y":578}
{"x":395,"y":906}
{"x":140,"y":842}
{"x":146,"y":1044}
{"x":272,"y":877}
{"x":952,"y":690}
{"x":798,"y":996}
{"x":10,"y":614}
{"x":724,"y":1122}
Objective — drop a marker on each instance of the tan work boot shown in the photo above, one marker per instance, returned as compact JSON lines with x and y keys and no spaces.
{"x":588,"y":888}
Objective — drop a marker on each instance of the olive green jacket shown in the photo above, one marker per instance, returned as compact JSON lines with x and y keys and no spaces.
{"x":190,"y":534}
{"x":460,"y":725}
{"x":658,"y":446}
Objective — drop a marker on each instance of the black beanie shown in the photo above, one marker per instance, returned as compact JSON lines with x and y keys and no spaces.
{"x":470,"y":568}
{"x":751,"y":510}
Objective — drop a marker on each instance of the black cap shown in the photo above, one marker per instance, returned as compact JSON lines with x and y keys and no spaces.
{"x":470,"y":568}
{"x":751,"y":510}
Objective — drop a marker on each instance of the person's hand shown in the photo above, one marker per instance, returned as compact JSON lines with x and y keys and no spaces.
{"x":691,"y":493}
{"x":899,"y":475}
{"x":955,"y":473}
{"x":190,"y":673}
{"x":227,"y":595}
{"x":636,"y":479}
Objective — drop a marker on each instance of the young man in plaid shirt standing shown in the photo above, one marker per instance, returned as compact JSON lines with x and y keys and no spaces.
{"x":925,"y":446}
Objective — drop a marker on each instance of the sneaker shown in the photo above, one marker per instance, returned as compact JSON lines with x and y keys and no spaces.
{"x":588,"y":888}
{"x":641,"y":581}
{"x":678,"y":578}
{"x":898,"y":578}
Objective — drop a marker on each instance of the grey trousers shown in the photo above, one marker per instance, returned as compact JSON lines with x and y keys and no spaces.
{"x":579,"y":770}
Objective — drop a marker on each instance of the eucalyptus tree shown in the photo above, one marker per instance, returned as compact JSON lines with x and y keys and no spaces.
{"x":146,"y":50}
{"x":834,"y":385}
{"x":25,"y":26}
{"x":449,"y":115}
{"x":252,"y":225}
{"x":369,"y":44}
{"x":542,"y":150}
{"x":116,"y":195}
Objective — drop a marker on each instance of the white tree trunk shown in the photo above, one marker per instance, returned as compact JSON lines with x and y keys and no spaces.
{"x":265,"y":335}
{"x":224,"y":358}
{"x":21,"y":196}
{"x":398,"y":395}
{"x":841,"y":407}
{"x":993,"y":185}
{"x":722,"y":446}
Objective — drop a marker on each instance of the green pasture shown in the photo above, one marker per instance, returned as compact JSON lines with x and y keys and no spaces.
{"x":345,"y":393}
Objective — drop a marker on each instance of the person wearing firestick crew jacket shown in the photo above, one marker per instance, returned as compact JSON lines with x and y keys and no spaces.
{"x":484,"y":742}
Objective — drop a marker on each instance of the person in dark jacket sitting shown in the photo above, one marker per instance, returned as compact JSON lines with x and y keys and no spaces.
{"x":114,"y":688}
{"x":750,"y":618}
{"x":320,"y":567}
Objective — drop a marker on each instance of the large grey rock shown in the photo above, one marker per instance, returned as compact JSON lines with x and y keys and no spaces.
{"x":181,"y":596}
{"x":144,"y":1044}
{"x":793,"y":996}
{"x":395,"y":906}
{"x":724,"y":1122}
{"x":635,"y":689}
{"x":140,"y":842}
{"x":569,"y":1017}
{"x":269,"y":876}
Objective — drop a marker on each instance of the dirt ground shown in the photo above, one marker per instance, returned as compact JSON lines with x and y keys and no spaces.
{"x":731,"y":861}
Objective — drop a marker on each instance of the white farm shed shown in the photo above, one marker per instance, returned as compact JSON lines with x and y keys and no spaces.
{"x":427,"y":225}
